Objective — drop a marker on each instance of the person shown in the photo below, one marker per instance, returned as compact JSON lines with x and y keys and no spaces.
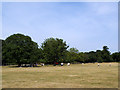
{"x":61,"y":64}
{"x":98,"y":64}
{"x":68,"y":64}
{"x":109,"y":64}
{"x":56,"y":63}
{"x":36,"y":64}
{"x":42,"y":64}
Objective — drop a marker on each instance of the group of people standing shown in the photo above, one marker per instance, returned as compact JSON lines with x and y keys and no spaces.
{"x":62,"y":64}
{"x":68,"y":64}
{"x":109,"y":64}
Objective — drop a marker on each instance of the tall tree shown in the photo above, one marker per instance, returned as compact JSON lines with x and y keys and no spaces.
{"x":19,"y":49}
{"x":54,"y":50}
{"x":73,"y":55}
{"x":106,"y":54}
{"x":99,"y":56}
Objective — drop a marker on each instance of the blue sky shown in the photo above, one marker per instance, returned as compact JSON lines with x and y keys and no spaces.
{"x":86,"y":26}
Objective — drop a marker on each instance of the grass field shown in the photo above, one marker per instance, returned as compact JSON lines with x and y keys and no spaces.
{"x":74,"y":76}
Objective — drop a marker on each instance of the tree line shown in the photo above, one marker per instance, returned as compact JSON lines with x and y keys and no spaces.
{"x":20,"y":49}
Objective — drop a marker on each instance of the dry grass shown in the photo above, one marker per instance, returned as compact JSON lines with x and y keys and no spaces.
{"x":74,"y":76}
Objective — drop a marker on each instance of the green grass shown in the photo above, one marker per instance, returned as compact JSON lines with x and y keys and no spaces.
{"x":74,"y":76}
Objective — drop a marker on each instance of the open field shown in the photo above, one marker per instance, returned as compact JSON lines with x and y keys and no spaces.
{"x":74,"y":76}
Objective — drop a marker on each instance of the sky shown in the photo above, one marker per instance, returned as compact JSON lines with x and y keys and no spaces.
{"x":87,"y":26}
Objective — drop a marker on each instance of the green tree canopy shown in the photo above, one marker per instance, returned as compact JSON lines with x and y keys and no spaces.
{"x":116,"y":56}
{"x":19,"y":49}
{"x":73,"y":50}
{"x":72,"y":55}
{"x":106,"y":54}
{"x":54,"y":49}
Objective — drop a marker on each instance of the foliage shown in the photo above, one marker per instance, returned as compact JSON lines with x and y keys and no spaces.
{"x":72,"y":55}
{"x":106,"y":54}
{"x":54,"y":50}
{"x":116,"y":56}
{"x":20,"y":49}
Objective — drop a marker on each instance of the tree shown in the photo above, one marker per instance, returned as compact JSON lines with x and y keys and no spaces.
{"x":86,"y":57}
{"x":105,"y":48}
{"x":73,"y":55}
{"x":73,"y":50}
{"x":116,"y":57}
{"x":19,"y":49}
{"x":106,"y":54}
{"x":6,"y":54}
{"x":92,"y":56}
{"x":54,"y":50}
{"x":99,"y":56}
{"x":81,"y":57}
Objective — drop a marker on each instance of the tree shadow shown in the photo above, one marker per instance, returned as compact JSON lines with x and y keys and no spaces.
{"x":16,"y":66}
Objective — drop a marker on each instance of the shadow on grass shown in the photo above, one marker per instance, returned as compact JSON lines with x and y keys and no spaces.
{"x":47,"y":65}
{"x":16,"y":66}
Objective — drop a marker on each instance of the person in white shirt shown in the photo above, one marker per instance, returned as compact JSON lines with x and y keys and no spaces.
{"x":61,"y":64}
{"x":68,"y":64}
{"x":42,"y":64}
{"x":98,"y":64}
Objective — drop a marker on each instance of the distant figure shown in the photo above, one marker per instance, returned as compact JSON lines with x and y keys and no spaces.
{"x":56,"y":63}
{"x":61,"y":64}
{"x":98,"y":64}
{"x":36,"y":64}
{"x":68,"y":64}
{"x":109,"y":64}
{"x":42,"y":64}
